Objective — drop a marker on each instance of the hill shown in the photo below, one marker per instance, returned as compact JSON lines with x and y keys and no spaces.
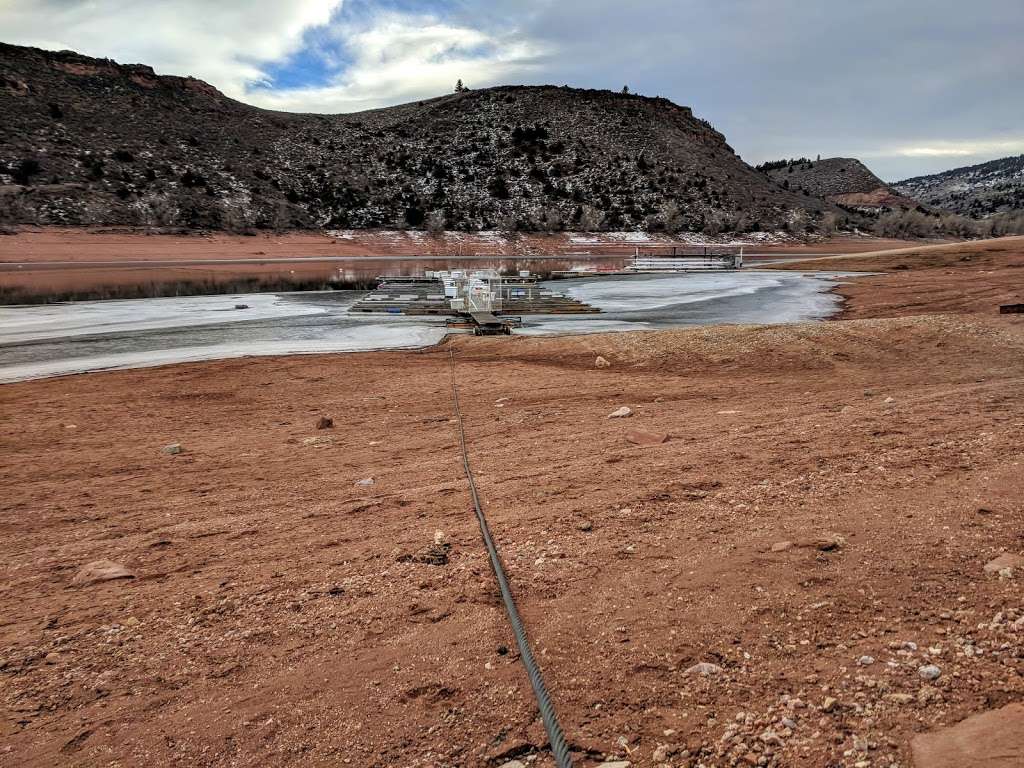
{"x":975,"y":190}
{"x":845,"y":181}
{"x":93,"y":141}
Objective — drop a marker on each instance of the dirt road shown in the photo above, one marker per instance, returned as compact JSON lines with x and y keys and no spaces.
{"x":816,"y":527}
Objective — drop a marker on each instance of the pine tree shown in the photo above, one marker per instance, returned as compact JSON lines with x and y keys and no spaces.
{"x":625,"y":90}
{"x":459,"y":87}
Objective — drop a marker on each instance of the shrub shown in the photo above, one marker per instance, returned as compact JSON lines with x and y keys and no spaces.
{"x":25,"y":170}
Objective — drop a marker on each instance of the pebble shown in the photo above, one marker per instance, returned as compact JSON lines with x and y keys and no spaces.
{"x":585,"y":525}
{"x":324,"y":423}
{"x":616,"y":764}
{"x":781,"y":546}
{"x":621,"y":413}
{"x":173,"y":449}
{"x":600,"y":362}
{"x":513,"y":764}
{"x":52,"y":657}
{"x":866,"y":661}
{"x":661,"y":753}
{"x":929,"y":672}
{"x":828,"y":704}
{"x":365,"y":481}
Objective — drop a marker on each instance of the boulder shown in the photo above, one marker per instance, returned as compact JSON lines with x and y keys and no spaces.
{"x":173,"y":449}
{"x":324,"y":423}
{"x":600,"y":362}
{"x":621,"y":413}
{"x":993,"y":739}
{"x":101,"y":570}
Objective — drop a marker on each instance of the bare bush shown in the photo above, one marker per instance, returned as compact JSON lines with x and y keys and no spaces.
{"x":436,"y":222}
{"x":592,"y":219}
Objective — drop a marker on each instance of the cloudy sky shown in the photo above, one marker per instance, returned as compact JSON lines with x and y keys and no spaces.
{"x":909,"y":86}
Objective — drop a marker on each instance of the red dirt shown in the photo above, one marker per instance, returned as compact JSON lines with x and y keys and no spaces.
{"x":275,"y":618}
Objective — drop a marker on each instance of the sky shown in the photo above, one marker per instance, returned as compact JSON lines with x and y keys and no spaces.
{"x":908,"y":86}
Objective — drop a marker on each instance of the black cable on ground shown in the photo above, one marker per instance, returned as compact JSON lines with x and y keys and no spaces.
{"x":559,"y":747}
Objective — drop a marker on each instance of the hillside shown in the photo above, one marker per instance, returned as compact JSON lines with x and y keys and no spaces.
{"x":845,"y":181}
{"x":92,"y":141}
{"x":976,"y":190}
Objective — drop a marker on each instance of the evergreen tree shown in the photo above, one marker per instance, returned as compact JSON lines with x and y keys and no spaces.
{"x":625,"y":90}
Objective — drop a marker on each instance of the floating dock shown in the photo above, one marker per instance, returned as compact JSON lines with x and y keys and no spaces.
{"x":460,"y":294}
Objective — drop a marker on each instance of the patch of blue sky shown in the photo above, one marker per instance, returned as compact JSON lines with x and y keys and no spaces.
{"x":316,"y":62}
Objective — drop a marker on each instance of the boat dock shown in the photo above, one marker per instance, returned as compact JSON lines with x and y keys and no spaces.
{"x":461,"y":294}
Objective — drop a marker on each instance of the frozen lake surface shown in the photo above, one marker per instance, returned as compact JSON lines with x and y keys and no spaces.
{"x":57,"y":339}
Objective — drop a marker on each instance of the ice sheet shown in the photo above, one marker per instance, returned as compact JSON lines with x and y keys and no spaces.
{"x":55,"y":340}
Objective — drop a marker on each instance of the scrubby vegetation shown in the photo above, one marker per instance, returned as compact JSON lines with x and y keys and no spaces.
{"x":917,"y":223}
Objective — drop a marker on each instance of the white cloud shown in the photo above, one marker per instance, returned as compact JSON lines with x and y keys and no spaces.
{"x":399,"y":58}
{"x":389,"y":58}
{"x":224,"y":42}
{"x":961,"y":148}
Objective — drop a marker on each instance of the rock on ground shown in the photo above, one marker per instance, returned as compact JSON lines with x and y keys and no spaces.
{"x":1005,"y":560}
{"x":704,"y":669}
{"x":993,"y":739}
{"x":100,"y":570}
{"x":644,"y":437}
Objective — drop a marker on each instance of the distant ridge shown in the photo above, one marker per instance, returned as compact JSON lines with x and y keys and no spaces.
{"x":845,"y":181}
{"x":974,"y":190}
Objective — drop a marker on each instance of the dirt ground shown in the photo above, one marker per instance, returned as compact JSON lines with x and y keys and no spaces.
{"x":816,"y":527}
{"x":977,"y":276}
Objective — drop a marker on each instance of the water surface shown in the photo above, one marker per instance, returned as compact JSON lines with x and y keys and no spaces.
{"x":56,"y":339}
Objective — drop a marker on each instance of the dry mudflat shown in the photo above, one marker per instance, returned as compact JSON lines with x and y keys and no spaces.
{"x":815,"y":531}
